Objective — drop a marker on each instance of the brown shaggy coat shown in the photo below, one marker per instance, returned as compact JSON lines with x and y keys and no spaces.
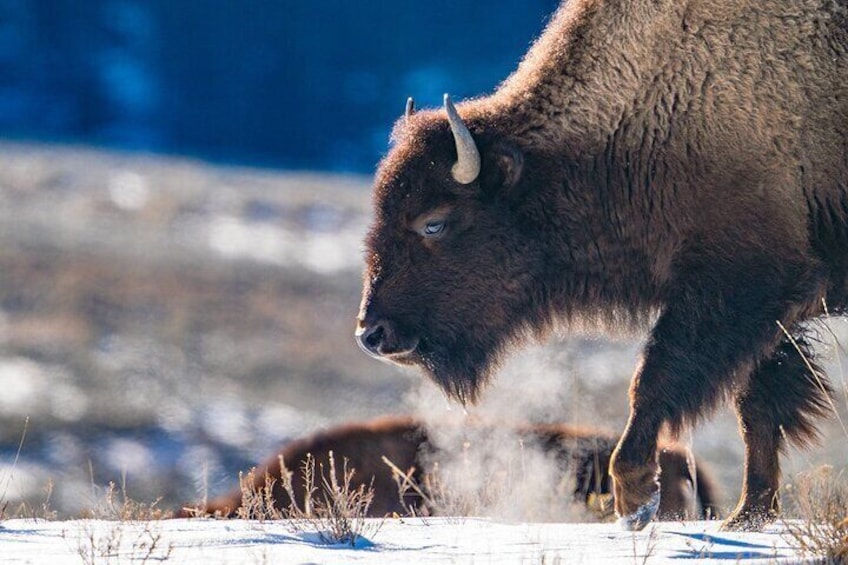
{"x":405,"y":442}
{"x":679,"y":165}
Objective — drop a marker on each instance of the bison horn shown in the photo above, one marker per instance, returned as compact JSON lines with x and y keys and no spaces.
{"x":467,"y":166}
{"x":410,"y":108}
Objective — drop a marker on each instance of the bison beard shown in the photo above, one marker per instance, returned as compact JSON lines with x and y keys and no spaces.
{"x":675,"y":161}
{"x":461,"y":369}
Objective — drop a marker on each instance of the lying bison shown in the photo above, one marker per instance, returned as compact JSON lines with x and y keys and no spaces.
{"x":681,"y":165}
{"x":407,"y":443}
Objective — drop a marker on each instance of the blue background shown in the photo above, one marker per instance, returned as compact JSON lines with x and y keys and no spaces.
{"x":296,"y":85}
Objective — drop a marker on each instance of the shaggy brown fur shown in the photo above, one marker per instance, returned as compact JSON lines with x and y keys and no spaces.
{"x":405,"y":442}
{"x":678,"y":162}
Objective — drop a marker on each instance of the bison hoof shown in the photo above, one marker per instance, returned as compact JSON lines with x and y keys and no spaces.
{"x":643,"y":515}
{"x":754,"y":512}
{"x":637,"y":492}
{"x":748,"y":521}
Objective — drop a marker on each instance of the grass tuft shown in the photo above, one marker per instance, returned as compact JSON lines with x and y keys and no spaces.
{"x":132,"y":532}
{"x":330,"y":506}
{"x":818,"y":503}
{"x":116,"y":505}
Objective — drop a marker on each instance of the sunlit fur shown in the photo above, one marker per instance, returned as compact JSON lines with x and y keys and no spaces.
{"x":683,"y":163}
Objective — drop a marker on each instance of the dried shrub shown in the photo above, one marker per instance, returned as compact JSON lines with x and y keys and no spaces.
{"x":331,"y":506}
{"x":817,"y":502}
{"x":116,"y":505}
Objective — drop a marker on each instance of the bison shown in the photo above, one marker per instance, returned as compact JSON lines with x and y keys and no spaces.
{"x":676,"y":167}
{"x":408,"y":444}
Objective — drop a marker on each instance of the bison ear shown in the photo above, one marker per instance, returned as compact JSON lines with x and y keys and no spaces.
{"x":502,"y":166}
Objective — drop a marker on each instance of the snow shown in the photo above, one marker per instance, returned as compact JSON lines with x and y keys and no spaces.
{"x":405,"y":541}
{"x":320,"y":252}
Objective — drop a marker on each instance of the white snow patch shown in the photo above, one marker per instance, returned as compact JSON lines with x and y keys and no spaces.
{"x":23,"y":383}
{"x":327,"y":253}
{"x":128,"y":190}
{"x":68,"y":402}
{"x":319,"y":251}
{"x":227,"y":422}
{"x":196,"y":461}
{"x":283,"y":420}
{"x":444,"y":540}
{"x":233,"y":238}
{"x":175,"y":415}
{"x":125,"y":454}
{"x":19,"y":481}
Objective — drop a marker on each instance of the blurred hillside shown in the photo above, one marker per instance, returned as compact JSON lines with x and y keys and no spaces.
{"x":172,"y":320}
{"x":300,"y":85}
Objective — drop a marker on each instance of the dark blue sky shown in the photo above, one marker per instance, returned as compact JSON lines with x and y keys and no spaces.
{"x":298,"y":85}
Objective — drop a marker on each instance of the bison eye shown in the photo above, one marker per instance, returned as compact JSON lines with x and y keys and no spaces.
{"x":432,"y":224}
{"x":433,"y":228}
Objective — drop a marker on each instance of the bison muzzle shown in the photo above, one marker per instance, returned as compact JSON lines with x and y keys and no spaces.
{"x":677,"y":166}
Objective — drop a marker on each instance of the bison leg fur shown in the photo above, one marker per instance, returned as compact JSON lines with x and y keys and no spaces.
{"x":635,"y":472}
{"x":783,"y":397}
{"x":714,"y":328}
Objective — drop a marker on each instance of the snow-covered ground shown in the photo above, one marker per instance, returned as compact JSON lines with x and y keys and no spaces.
{"x":444,"y":540}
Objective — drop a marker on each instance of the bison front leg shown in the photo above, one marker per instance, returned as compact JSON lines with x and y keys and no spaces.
{"x":713,"y":329}
{"x":635,"y":471}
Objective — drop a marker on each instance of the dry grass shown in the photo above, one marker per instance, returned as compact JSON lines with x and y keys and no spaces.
{"x":408,"y":488}
{"x":4,"y":503}
{"x":133,"y":533}
{"x":118,"y":543}
{"x":23,"y":509}
{"x":330,"y":506}
{"x":341,"y":511}
{"x":644,"y":547}
{"x":31,"y":511}
{"x":116,"y":505}
{"x":818,"y":502}
{"x":435,"y":494}
{"x":256,"y":504}
{"x":816,"y":512}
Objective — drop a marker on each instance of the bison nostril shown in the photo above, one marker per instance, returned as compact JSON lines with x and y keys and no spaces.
{"x":382,"y":339}
{"x":370,"y":338}
{"x":374,"y":338}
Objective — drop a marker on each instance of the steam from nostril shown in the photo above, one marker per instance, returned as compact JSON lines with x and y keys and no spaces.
{"x":482,"y":466}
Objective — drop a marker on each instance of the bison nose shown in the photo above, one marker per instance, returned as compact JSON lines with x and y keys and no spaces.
{"x":381,"y":339}
{"x":370,"y":338}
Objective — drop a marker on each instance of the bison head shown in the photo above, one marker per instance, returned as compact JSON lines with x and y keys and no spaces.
{"x":449,"y":280}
